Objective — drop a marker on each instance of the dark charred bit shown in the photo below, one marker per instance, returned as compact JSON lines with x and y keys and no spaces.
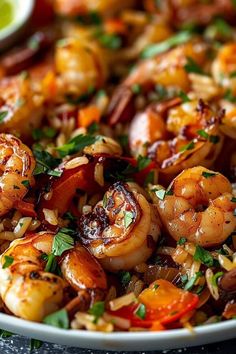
{"x":34,"y":275}
{"x":202,"y":106}
{"x":92,"y":225}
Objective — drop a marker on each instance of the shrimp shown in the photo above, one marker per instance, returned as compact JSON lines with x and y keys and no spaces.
{"x":21,"y":107}
{"x":122,"y":229}
{"x":176,"y":143}
{"x":80,"y":66}
{"x":167,"y":70}
{"x":199,"y":207}
{"x":16,"y":166}
{"x":32,"y":293}
{"x":224,"y":67}
{"x":83,"y":7}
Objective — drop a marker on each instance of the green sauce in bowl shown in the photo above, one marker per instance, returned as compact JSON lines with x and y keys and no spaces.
{"x":7,"y":12}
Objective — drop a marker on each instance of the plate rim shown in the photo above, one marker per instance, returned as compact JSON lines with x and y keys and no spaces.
{"x":120,"y":340}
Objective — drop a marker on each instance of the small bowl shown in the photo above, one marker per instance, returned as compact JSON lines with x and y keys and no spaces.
{"x":23,"y":10}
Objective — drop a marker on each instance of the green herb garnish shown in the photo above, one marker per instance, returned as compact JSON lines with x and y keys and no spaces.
{"x":97,"y":310}
{"x":8,"y":261}
{"x":76,"y":144}
{"x":188,"y":146}
{"x":179,"y":38}
{"x":208,"y":174}
{"x":189,"y":285}
{"x":181,"y":241}
{"x":141,"y":311}
{"x":3,"y":115}
{"x":203,"y":256}
{"x":128,"y":218}
{"x":58,"y":319}
{"x":62,"y":242}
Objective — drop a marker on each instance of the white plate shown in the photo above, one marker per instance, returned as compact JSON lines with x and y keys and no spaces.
{"x":171,"y":339}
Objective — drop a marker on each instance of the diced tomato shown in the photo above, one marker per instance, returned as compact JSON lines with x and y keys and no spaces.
{"x":164,"y":303}
{"x":115,"y":25}
{"x":26,"y":209}
{"x":64,"y":188}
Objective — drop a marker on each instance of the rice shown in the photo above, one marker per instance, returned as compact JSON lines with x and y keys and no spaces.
{"x":51,"y":216}
{"x":98,"y":174}
{"x":225,"y":262}
{"x":122,"y":323}
{"x":211,"y":286}
{"x":22,"y":226}
{"x":124,"y":300}
{"x":84,"y":320}
{"x":76,"y":162}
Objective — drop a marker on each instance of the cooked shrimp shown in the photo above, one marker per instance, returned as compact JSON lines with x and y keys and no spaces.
{"x":186,"y":148}
{"x":200,"y":207}
{"x":75,"y":7}
{"x":122,"y":230}
{"x":21,"y":107}
{"x":224,"y":67}
{"x":30,"y":292}
{"x":16,"y":166}
{"x":80,"y":65}
{"x":167,"y":69}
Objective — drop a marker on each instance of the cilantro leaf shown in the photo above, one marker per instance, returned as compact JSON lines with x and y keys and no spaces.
{"x":203,"y":256}
{"x":8,"y":261}
{"x":208,"y":174}
{"x":76,"y":144}
{"x":181,"y":241}
{"x":141,"y":311}
{"x":186,"y":147}
{"x":97,"y":310}
{"x":58,"y":319}
{"x":62,"y":242}
{"x":128,"y":218}
{"x":3,"y":115}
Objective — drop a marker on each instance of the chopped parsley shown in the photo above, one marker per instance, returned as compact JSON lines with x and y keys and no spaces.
{"x":97,"y":310}
{"x":179,"y":38}
{"x":8,"y":260}
{"x":51,"y":265}
{"x":3,"y":115}
{"x":128,"y":218}
{"x":125,"y":277}
{"x":156,"y":286}
{"x":184,"y":97}
{"x":35,"y":344}
{"x":5,"y":334}
{"x":181,"y":241}
{"x":188,"y":146}
{"x":93,"y":128}
{"x":143,"y":162}
{"x":58,"y":319}
{"x":76,"y":144}
{"x":62,"y":242}
{"x":212,"y":138}
{"x":123,"y":140}
{"x":208,"y":174}
{"x":109,"y":40}
{"x":46,"y":132}
{"x":189,"y":285}
{"x":141,"y":311}
{"x":45,"y":161}
{"x":229,"y":96}
{"x":160,"y":193}
{"x":149,"y":178}
{"x":233,"y":200}
{"x":84,"y":97}
{"x":136,"y":89}
{"x":192,"y":67}
{"x":26,"y":183}
{"x":203,"y":256}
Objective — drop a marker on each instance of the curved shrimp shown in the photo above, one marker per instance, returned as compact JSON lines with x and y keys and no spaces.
{"x":16,"y":166}
{"x":80,"y":66}
{"x":32,"y":293}
{"x":224,"y":67}
{"x":83,"y":7}
{"x":122,"y":230}
{"x":21,"y":107}
{"x":167,"y":69}
{"x":200,"y":207}
{"x":190,"y":135}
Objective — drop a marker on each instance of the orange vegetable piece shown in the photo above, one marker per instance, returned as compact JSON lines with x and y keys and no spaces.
{"x":88,"y":115}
